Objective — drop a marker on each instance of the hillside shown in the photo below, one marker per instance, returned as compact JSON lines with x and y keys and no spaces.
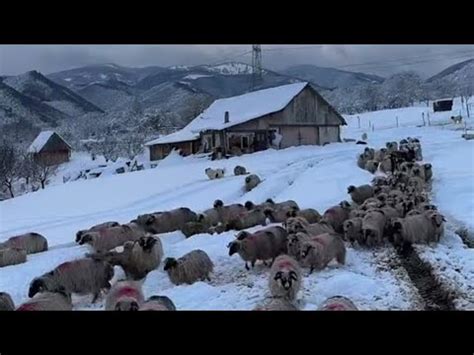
{"x":315,"y":177}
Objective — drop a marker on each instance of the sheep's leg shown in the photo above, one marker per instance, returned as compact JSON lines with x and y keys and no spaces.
{"x":311,"y":270}
{"x":95,"y":297}
{"x":246,"y":266}
{"x":253,"y":264}
{"x":265,"y":263}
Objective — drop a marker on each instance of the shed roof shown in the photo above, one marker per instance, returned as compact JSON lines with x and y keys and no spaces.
{"x":42,"y":139}
{"x":241,"y":109}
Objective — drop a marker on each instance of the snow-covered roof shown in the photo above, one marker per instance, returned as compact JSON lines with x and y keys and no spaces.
{"x":241,"y":109}
{"x":41,"y":140}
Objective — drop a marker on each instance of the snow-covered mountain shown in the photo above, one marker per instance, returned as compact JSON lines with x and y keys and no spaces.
{"x":36,"y":86}
{"x":15,"y":106}
{"x":459,"y":71}
{"x":330,"y":77}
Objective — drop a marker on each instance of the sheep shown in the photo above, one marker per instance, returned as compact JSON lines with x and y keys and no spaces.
{"x":209,"y":217}
{"x":6,"y":302}
{"x":229,"y":212}
{"x":192,"y":228}
{"x":294,"y":242}
{"x":278,"y":215}
{"x":391,"y":146}
{"x":360,"y":193}
{"x":310,"y":214}
{"x":12,"y":256}
{"x":338,"y":303}
{"x":415,"y":229}
{"x":138,"y":258}
{"x":422,"y":207}
{"x":220,"y":228}
{"x":356,"y":212}
{"x":369,"y":153}
{"x":373,"y":226}
{"x":168,"y":221}
{"x":322,"y":249}
{"x":277,"y":304}
{"x":125,"y":296}
{"x":386,"y":165}
{"x":240,"y":170}
{"x":361,"y":161}
{"x":364,"y":136}
{"x":48,"y":301}
{"x":95,"y":228}
{"x":417,"y":183}
{"x":110,"y":238}
{"x":353,"y":229}
{"x":31,"y":242}
{"x":285,"y":279}
{"x":214,"y":173}
{"x":191,"y":267}
{"x":251,"y":182}
{"x":336,"y":215}
{"x":262,"y":245}
{"x":158,"y":303}
{"x":379,"y":154}
{"x":371,"y":166}
{"x":299,"y":224}
{"x":428,"y":171}
{"x":80,"y":276}
{"x":247,"y":220}
{"x":249,"y":205}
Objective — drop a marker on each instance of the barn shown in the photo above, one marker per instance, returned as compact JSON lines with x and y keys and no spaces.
{"x":279,"y":117}
{"x":443,"y":105}
{"x":49,"y":148}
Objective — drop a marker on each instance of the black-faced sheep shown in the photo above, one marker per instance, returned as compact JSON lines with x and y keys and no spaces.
{"x":30,"y":242}
{"x":109,"y":238}
{"x":371,"y":166}
{"x":309,"y":214}
{"x":373,"y":227}
{"x":251,"y":182}
{"x":360,"y":193}
{"x":299,"y":224}
{"x":168,"y":221}
{"x":240,"y":170}
{"x":247,"y":219}
{"x":353,"y":229}
{"x":191,"y":267}
{"x":320,"y":250}
{"x":428,"y":169}
{"x":125,"y":296}
{"x":137,"y":258}
{"x":285,"y":279}
{"x":95,"y":228}
{"x":262,"y":245}
{"x":214,"y":173}
{"x":81,"y":276}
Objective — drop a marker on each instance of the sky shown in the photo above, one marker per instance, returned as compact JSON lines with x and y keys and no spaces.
{"x":382,"y":60}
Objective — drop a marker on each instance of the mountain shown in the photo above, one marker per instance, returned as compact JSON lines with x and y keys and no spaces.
{"x":459,"y":71}
{"x":36,"y":86}
{"x":15,"y":106}
{"x":330,"y":77}
{"x":82,"y":77}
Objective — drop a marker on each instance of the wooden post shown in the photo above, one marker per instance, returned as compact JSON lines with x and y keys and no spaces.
{"x":373,"y":127}
{"x":358,"y":121}
{"x":370,"y":124}
{"x":397,"y":121}
{"x":424,"y":122}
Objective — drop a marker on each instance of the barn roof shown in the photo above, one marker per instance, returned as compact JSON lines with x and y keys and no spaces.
{"x":41,"y":140}
{"x":241,"y":109}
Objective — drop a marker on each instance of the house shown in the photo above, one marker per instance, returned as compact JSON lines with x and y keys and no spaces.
{"x":50,"y":148}
{"x":279,"y":117}
{"x":443,"y":105}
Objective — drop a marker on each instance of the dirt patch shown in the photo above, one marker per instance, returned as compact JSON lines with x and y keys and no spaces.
{"x":435,"y":296}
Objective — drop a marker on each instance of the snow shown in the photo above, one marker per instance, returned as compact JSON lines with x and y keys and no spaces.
{"x":196,"y":76}
{"x":40,"y":141}
{"x":313,"y":176}
{"x":241,"y":109}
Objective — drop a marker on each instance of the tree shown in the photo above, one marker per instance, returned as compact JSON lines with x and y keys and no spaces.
{"x":133,"y":145}
{"x":9,"y":165}
{"x":466,"y":92}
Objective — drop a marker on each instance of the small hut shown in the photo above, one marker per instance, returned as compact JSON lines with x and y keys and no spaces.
{"x":49,"y":148}
{"x":443,"y":105}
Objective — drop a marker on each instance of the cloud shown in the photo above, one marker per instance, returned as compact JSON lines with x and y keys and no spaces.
{"x":377,"y":59}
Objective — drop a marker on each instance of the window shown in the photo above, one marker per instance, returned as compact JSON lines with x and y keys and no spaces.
{"x":245,"y":142}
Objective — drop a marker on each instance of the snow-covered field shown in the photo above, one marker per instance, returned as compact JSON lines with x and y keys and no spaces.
{"x":313,"y":176}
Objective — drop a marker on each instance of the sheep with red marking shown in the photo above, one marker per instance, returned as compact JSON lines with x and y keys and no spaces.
{"x":31,"y":242}
{"x":320,"y":250}
{"x":285,"y":278}
{"x":125,"y":296}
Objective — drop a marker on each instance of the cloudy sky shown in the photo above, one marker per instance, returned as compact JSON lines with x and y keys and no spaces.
{"x":377,"y":59}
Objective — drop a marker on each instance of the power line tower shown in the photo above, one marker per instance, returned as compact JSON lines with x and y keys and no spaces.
{"x":256,"y":65}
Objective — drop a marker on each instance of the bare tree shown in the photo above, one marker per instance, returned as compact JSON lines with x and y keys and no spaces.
{"x":133,"y":145}
{"x":466,"y":93}
{"x":42,"y":172}
{"x":9,"y":164}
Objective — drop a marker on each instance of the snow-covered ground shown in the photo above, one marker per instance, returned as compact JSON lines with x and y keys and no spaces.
{"x":313,"y":176}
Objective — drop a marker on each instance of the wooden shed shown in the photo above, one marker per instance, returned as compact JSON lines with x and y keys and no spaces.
{"x":279,"y":117}
{"x":443,"y":105}
{"x":49,"y":148}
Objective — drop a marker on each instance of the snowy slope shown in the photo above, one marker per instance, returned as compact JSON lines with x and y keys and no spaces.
{"x":313,"y":176}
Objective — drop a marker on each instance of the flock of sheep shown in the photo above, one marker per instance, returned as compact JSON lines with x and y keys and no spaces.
{"x":394,"y":208}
